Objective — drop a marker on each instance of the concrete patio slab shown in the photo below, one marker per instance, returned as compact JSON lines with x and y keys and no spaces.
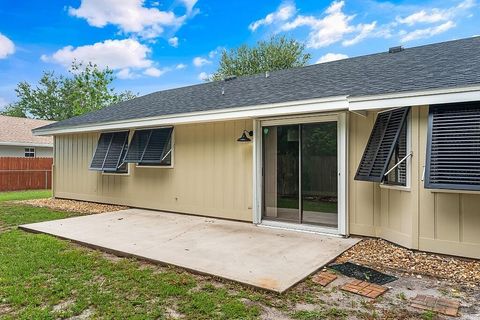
{"x":267,"y":258}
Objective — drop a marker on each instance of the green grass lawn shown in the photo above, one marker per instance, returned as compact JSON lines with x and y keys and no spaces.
{"x":42,"y":277}
{"x":25,"y":195}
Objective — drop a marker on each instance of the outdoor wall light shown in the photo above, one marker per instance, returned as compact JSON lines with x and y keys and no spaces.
{"x":244,"y":137}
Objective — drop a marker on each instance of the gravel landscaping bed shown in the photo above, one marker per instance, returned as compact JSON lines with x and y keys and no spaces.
{"x":72,"y":205}
{"x":382,"y":254}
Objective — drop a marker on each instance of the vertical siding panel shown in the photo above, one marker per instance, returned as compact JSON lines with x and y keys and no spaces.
{"x":447,"y":213}
{"x":470,"y":221}
{"x":219,"y":165}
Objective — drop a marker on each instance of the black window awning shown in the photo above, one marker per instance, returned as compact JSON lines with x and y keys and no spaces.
{"x":149,"y":146}
{"x":381,"y":144}
{"x":453,"y":147}
{"x":110,"y":149}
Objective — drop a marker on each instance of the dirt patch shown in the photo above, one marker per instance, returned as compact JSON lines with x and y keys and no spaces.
{"x":63,"y":305}
{"x":86,"y":314}
{"x":385,"y":255}
{"x":72,"y":205}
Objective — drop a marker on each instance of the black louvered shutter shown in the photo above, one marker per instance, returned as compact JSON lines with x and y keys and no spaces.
{"x":149,"y":146}
{"x":118,"y":145}
{"x":156,"y":147}
{"x":101,"y":151}
{"x":453,"y":147}
{"x":109,"y":150}
{"x":137,"y":146}
{"x":381,"y":144}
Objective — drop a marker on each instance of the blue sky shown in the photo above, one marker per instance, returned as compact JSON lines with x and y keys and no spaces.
{"x":154,"y":45}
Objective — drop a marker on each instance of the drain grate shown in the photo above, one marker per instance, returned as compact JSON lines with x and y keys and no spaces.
{"x":362,"y":273}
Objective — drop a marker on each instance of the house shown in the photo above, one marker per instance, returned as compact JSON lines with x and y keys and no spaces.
{"x":384,"y":145}
{"x":17,"y":140}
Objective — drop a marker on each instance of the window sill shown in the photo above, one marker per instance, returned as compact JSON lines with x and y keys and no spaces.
{"x":394,"y":187}
{"x":453,"y":191}
{"x":154,"y":167}
{"x":115,"y":174}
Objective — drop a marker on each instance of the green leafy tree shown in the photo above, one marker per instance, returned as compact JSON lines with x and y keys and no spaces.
{"x":56,"y":97}
{"x":275,"y":54}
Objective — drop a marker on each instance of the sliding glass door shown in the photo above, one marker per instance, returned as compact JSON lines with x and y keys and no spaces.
{"x":300,"y":173}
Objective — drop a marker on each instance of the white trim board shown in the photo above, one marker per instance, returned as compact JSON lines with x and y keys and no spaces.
{"x":328,"y":104}
{"x":26,"y":144}
{"x":342,"y":159}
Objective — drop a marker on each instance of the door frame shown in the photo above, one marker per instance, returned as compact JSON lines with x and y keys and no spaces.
{"x":342,"y":157}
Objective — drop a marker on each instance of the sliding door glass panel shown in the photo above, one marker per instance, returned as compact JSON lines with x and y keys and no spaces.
{"x":319,"y":174}
{"x":281,"y":173}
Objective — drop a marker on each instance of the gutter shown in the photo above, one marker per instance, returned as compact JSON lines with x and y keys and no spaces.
{"x":357,"y":104}
{"x":26,"y":144}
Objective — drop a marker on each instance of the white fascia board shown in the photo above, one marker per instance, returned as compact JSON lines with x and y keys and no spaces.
{"x":26,"y":144}
{"x":287,"y":108}
{"x":417,"y":98}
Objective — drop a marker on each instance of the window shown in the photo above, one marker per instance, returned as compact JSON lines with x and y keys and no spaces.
{"x":453,"y":147}
{"x":151,"y":147}
{"x":397,"y":175}
{"x":386,"y":148}
{"x":29,"y":152}
{"x":110,"y":151}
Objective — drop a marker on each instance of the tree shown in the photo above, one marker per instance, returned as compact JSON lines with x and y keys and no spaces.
{"x":57,"y":97}
{"x":275,"y":54}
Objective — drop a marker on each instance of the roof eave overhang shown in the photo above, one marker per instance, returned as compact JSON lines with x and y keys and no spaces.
{"x":329,"y":104}
{"x":27,"y":144}
{"x":416,"y":98}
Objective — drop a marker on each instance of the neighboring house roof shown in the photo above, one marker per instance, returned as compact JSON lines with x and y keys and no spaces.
{"x":450,"y":64}
{"x":18,"y":131}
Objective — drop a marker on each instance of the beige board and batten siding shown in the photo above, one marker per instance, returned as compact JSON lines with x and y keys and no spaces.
{"x":416,"y":218}
{"x":212,"y":173}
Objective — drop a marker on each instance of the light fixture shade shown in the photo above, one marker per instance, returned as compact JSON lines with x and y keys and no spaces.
{"x":244,"y":138}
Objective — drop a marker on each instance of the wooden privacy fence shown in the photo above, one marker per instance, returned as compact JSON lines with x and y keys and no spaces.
{"x":25,"y":173}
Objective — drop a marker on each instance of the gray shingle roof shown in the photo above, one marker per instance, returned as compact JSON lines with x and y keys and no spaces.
{"x":441,"y":65}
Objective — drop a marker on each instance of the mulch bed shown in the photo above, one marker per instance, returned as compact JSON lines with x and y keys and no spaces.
{"x":72,"y":205}
{"x":384,"y":255}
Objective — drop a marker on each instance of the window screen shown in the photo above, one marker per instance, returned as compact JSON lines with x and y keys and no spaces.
{"x":150,"y":147}
{"x":381,"y":145}
{"x":453,"y":147}
{"x":111,"y":147}
{"x":398,"y":176}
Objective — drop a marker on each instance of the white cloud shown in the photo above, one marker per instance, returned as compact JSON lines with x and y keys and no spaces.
{"x":423,"y":16}
{"x":126,"y":73}
{"x":154,"y":72}
{"x":330,"y":28}
{"x":115,"y":54}
{"x":284,"y":12}
{"x":331,"y":57}
{"x":180,"y":66}
{"x":365,"y":31}
{"x":212,"y":54}
{"x":6,"y":47}
{"x":189,"y":5}
{"x":130,"y":16}
{"x":435,"y":15}
{"x":204,"y":76}
{"x":427,"y":32}
{"x":199,"y":61}
{"x":173,"y":41}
